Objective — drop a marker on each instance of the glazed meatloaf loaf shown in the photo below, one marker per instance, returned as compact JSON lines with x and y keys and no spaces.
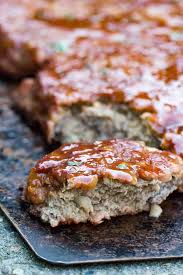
{"x":29,"y":29}
{"x":27,"y":40}
{"x":82,"y":182}
{"x":102,"y":87}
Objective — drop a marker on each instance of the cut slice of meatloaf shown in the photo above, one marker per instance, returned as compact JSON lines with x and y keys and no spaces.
{"x":102,"y":87}
{"x":82,"y":182}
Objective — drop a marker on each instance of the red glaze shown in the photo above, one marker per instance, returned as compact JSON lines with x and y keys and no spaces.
{"x":81,"y":165}
{"x":111,"y":15}
{"x":136,"y":20}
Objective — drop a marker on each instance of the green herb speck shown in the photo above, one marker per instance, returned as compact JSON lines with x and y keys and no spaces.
{"x":60,"y":46}
{"x":69,"y":16}
{"x":122,"y":166}
{"x":176,"y":36}
{"x":104,"y":71}
{"x":74,"y":163}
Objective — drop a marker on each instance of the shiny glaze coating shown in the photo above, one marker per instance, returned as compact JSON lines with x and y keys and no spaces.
{"x":141,"y":65}
{"x":111,"y":15}
{"x":109,"y":67}
{"x":22,"y":52}
{"x":82,"y":165}
{"x":88,"y":13}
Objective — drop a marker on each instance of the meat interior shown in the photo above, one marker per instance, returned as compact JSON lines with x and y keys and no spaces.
{"x":109,"y":199}
{"x":101,"y":121}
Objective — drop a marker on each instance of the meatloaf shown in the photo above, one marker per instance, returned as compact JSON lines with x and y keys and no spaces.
{"x":27,"y":36}
{"x":82,"y":182}
{"x":27,"y":29}
{"x":27,"y":42}
{"x":101,"y":87}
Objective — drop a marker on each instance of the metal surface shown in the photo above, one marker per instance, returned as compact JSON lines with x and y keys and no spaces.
{"x":125,"y":238}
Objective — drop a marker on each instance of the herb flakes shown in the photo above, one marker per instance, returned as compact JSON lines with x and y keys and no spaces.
{"x":74,"y":163}
{"x":60,"y":46}
{"x":122,"y":166}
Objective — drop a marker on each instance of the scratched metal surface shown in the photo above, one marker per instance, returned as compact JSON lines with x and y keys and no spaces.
{"x":126,"y":238}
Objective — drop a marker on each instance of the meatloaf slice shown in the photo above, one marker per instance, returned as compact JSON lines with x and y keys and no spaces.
{"x":102,"y":87}
{"x":82,"y":182}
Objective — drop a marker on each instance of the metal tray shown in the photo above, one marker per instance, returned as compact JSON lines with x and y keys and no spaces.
{"x":126,"y":238}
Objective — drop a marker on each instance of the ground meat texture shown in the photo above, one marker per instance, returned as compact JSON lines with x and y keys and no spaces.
{"x":82,"y":182}
{"x":83,"y":123}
